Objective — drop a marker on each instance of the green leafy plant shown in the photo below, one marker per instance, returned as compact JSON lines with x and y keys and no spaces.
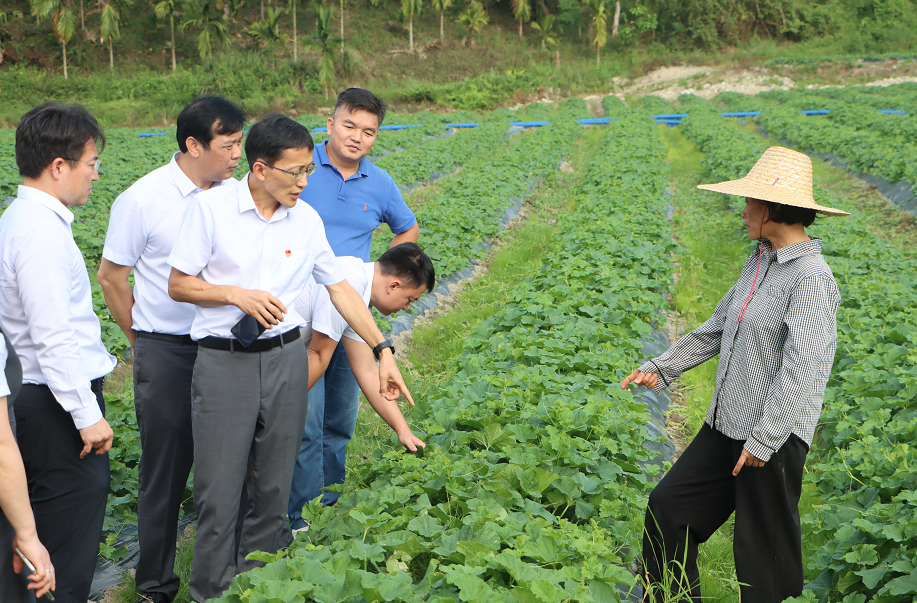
{"x":62,"y":18}
{"x":474,"y":17}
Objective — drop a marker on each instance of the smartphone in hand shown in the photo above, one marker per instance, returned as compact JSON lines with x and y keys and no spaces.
{"x":32,"y":569}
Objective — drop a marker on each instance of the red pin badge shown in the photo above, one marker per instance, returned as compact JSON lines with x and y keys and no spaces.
{"x":289,"y":253}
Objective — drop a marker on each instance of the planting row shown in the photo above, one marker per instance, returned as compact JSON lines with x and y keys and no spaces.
{"x":529,"y":489}
{"x":850,"y":113}
{"x":862,"y":462}
{"x":862,"y":150}
{"x":463,"y":210}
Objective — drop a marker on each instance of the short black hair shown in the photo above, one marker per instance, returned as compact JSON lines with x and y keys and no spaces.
{"x":408,"y":262}
{"x":53,"y":130}
{"x":358,"y":99}
{"x":270,"y":137}
{"x":204,"y":118}
{"x":789,"y":214}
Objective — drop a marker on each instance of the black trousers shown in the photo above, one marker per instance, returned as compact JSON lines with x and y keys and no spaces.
{"x":68,"y":494}
{"x":699,"y":494}
{"x":162,"y":399}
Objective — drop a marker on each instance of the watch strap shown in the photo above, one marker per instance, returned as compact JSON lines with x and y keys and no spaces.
{"x":385,"y":344}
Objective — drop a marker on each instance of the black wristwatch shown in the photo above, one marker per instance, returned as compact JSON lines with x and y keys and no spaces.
{"x":385,"y":344}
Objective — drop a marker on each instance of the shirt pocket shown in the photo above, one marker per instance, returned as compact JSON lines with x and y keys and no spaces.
{"x":776,"y":292}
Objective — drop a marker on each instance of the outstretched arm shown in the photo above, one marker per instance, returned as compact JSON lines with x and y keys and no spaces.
{"x":364,"y":369}
{"x":352,"y":307}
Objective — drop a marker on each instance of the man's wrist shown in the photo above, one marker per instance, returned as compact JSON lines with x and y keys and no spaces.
{"x":379,"y":349}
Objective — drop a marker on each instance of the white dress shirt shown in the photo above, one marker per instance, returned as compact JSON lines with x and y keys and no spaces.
{"x":4,"y":386}
{"x":46,"y":305}
{"x":142,"y":229}
{"x":225,"y":241}
{"x":324,"y":316}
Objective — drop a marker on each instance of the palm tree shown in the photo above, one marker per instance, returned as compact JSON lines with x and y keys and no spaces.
{"x":324,"y":42}
{"x":599,"y":27}
{"x":293,"y":10}
{"x":110,"y":28}
{"x":441,"y":6}
{"x":522,"y":11}
{"x":169,"y":8}
{"x":409,"y":8}
{"x":211,"y":24}
{"x":62,"y":17}
{"x":267,"y":30}
{"x":545,"y":29}
{"x":474,"y":17}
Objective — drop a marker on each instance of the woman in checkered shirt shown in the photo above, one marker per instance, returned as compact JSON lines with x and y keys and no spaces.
{"x":776,"y":335}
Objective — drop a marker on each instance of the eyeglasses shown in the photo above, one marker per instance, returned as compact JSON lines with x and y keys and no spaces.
{"x":95,"y":164}
{"x":306,"y":171}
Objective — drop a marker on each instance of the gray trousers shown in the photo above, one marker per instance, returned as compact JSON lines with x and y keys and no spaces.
{"x":248,"y":411}
{"x":162,"y":398}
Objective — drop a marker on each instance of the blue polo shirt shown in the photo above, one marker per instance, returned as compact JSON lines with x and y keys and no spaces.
{"x":352,"y":209}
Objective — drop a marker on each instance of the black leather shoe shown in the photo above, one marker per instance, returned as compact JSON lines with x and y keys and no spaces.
{"x":153,"y":598}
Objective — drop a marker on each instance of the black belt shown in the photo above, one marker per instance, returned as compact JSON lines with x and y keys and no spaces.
{"x":179,"y":339}
{"x":259,"y":345}
{"x":96,"y":385}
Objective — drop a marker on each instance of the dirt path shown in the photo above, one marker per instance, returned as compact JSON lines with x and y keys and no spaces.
{"x":707,"y":82}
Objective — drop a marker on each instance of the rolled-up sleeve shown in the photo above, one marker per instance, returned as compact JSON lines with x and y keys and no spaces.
{"x":44,"y":266}
{"x":808,"y":356}
{"x":693,"y":349}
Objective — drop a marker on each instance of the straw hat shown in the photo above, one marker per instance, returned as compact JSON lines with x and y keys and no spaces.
{"x":782,"y":176}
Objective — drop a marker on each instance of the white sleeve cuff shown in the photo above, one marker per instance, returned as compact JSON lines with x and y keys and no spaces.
{"x":122,"y":259}
{"x":88,"y":415}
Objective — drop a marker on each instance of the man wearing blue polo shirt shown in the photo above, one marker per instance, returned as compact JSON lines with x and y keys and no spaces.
{"x":353,"y":197}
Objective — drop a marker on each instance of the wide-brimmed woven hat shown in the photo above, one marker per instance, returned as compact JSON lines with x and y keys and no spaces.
{"x":782,"y":176}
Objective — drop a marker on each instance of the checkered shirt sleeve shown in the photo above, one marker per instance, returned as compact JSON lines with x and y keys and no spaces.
{"x":775,"y":363}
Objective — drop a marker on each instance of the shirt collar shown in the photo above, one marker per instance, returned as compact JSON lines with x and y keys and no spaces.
{"x":796,"y":250}
{"x":180,"y":179}
{"x":247,"y":202}
{"x":322,"y":153}
{"x":33,"y":194}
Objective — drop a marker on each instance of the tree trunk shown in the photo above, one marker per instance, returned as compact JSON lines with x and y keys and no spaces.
{"x":226,"y":9}
{"x":614,"y":24}
{"x":262,"y":9}
{"x":342,"y":29}
{"x":65,"y":59}
{"x":172,"y":27}
{"x":82,"y":17}
{"x":557,"y":58}
{"x":294,"y":30}
{"x":111,"y":55}
{"x":520,"y":29}
{"x":441,"y":24}
{"x":411,"y":32}
{"x":597,"y":51}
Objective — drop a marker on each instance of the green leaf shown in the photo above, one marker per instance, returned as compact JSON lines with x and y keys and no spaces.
{"x":904,"y":585}
{"x":547,"y":592}
{"x":425,"y":525}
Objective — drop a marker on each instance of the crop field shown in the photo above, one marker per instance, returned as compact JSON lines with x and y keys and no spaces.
{"x":533,"y":484}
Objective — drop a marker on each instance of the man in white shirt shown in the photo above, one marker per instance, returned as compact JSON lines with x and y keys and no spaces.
{"x":398,"y":278}
{"x":46,"y":311}
{"x":141,"y":233}
{"x":243,"y":255}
